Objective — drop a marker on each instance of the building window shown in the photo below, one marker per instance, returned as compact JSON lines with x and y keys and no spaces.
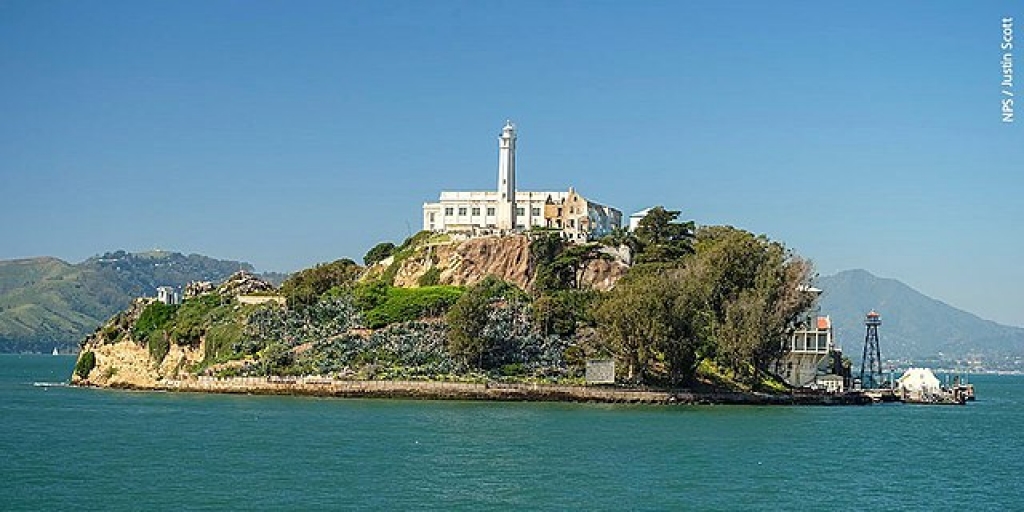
{"x":431,"y":216}
{"x":476,"y":211}
{"x":490,"y":211}
{"x":535,"y":211}
{"x":519,"y":211}
{"x":462,"y":210}
{"x":448,"y":212}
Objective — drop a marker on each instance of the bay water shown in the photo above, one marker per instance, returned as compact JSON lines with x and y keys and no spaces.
{"x":64,"y":448}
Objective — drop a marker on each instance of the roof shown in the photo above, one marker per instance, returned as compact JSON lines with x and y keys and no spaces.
{"x":643,"y":212}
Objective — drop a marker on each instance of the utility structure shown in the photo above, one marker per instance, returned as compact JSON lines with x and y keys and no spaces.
{"x":871,"y":362}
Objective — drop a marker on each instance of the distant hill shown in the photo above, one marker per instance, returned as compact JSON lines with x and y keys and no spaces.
{"x":914,"y":325}
{"x":46,"y":302}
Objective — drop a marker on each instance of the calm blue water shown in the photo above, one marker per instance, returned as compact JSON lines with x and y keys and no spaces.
{"x":65,"y":448}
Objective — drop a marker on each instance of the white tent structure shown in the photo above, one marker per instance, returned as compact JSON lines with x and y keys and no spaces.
{"x":918,"y":384}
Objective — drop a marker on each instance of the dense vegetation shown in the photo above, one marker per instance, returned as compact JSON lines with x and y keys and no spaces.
{"x":709,"y":299}
{"x":719,"y":294}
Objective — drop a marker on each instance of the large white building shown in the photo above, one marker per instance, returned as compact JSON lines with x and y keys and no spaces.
{"x":508,"y":210}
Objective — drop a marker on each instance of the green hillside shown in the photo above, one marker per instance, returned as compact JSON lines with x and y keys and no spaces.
{"x":46,"y":302}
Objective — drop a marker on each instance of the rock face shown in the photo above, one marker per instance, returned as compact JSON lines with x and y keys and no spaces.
{"x":464,"y":263}
{"x":243,"y":283}
{"x":123,"y":361}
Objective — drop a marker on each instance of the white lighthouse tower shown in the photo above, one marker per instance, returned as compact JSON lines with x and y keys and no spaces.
{"x":506,"y":219}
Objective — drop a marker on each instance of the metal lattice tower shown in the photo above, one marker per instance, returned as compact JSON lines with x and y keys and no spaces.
{"x":871,"y":362}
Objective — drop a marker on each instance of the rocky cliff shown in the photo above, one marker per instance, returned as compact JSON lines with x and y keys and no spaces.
{"x":150,"y":342}
{"x":121,"y":360}
{"x":466,"y":262}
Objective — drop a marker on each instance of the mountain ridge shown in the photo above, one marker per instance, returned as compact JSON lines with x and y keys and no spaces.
{"x":914,"y":325}
{"x":46,"y":301}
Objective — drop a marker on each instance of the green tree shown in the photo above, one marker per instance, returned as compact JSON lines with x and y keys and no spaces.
{"x":634,"y":319}
{"x":378,"y":253}
{"x":559,"y":265}
{"x":654,"y":318}
{"x":661,"y":238}
{"x":573,"y":261}
{"x":556,"y":313}
{"x":466,"y":322}
{"x":545,"y":246}
{"x":753,"y":292}
{"x":467,"y":319}
{"x":193,"y":318}
{"x":735,"y":299}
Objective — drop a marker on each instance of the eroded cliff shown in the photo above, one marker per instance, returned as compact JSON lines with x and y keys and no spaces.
{"x":465,"y":262}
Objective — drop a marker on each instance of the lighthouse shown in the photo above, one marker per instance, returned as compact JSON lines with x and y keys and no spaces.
{"x":506,"y":214}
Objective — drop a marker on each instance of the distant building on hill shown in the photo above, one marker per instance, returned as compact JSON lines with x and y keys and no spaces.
{"x":168,"y":295}
{"x":508,"y":210}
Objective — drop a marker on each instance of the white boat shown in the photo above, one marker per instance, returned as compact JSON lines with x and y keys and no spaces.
{"x":55,"y":352}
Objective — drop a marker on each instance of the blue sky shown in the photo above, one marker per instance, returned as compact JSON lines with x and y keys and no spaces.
{"x":862,"y":134}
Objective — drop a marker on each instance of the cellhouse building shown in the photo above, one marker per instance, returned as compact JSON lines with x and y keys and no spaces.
{"x":507,"y":210}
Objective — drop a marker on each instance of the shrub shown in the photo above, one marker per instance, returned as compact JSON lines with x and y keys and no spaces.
{"x":86,"y":362}
{"x":111,"y":332}
{"x":369,"y":295}
{"x":378,"y":253}
{"x":306,"y":287}
{"x":323,"y":320}
{"x":405,"y":304}
{"x":221,"y":339}
{"x":155,"y":317}
{"x":159,"y":344}
{"x":432,"y":277}
{"x":192,"y":318}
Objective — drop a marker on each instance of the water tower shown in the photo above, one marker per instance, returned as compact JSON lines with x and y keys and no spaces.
{"x":871,"y":363}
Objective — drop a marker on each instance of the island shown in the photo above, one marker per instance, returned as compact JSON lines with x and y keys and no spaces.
{"x":677,"y":313}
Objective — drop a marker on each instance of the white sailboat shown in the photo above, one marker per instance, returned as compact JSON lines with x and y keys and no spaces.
{"x":55,"y":352}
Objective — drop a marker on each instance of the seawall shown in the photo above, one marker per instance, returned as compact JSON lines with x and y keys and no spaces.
{"x":436,"y":390}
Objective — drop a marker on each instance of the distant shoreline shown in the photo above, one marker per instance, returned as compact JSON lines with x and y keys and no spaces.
{"x":501,"y":392}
